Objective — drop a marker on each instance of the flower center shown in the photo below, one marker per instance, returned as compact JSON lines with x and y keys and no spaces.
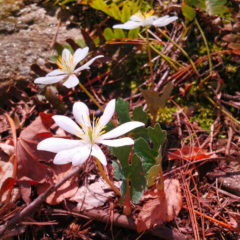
{"x":65,"y":65}
{"x":90,"y":135}
{"x":144,"y":16}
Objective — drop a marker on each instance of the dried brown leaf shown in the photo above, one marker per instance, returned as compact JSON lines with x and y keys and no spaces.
{"x":6,"y":181}
{"x":92,"y":196}
{"x":67,"y":190}
{"x":6,"y":171}
{"x":162,"y":208}
{"x":29,"y":167}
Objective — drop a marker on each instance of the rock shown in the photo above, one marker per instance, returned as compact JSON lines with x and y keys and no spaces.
{"x":26,"y":36}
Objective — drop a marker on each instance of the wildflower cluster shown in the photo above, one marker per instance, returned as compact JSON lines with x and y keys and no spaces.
{"x":92,"y":135}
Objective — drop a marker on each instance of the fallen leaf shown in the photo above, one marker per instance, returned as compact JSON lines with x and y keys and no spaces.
{"x":7,"y":149}
{"x":4,"y":125}
{"x":189,"y":153}
{"x":6,"y":181}
{"x":29,"y":166}
{"x":66,"y":191}
{"x":92,"y":196}
{"x":46,"y":119}
{"x":162,"y":207}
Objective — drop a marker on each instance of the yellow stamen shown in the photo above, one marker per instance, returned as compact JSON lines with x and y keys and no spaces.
{"x":59,"y":62}
{"x":140,"y":15}
{"x":90,"y":134}
{"x":149,"y":14}
{"x":79,"y":134}
{"x":143,"y":16}
{"x":102,"y":132}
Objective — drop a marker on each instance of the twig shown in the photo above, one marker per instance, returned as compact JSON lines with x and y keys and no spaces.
{"x":230,"y":135}
{"x":162,"y":231}
{"x":206,"y":44}
{"x":181,"y":49}
{"x":33,"y":205}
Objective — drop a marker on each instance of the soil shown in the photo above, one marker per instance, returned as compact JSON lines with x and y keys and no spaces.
{"x":27,"y":32}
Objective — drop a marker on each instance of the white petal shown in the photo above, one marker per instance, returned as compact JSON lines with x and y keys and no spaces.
{"x":57,"y":144}
{"x":87,"y":64}
{"x":72,"y":81}
{"x":108,"y":113}
{"x":55,"y":72}
{"x":67,"y":124}
{"x":135,"y":18}
{"x":163,"y":21}
{"x":118,"y":142}
{"x":98,"y":153}
{"x":81,"y":114}
{"x":66,"y":55}
{"x":80,"y":54}
{"x":65,"y":156}
{"x":128,"y":25}
{"x":120,"y":130}
{"x":49,"y":80}
{"x":81,"y":155}
{"x":148,"y":21}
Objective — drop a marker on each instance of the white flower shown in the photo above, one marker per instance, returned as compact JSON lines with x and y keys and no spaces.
{"x":78,"y":151}
{"x":66,"y":68}
{"x":147,"y":19}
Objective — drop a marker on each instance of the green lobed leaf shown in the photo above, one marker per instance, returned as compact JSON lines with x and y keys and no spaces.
{"x":126,"y":13}
{"x":140,"y":115}
{"x":147,"y":155}
{"x":140,"y":132}
{"x":118,"y":173}
{"x":122,"y":153}
{"x":122,"y":109}
{"x":188,"y":12}
{"x":133,"y":33}
{"x":153,"y":173}
{"x":157,"y":136}
{"x":123,"y":189}
{"x":137,"y":178}
{"x":99,"y":5}
{"x":114,"y":11}
{"x":134,"y":172}
{"x":108,"y":34}
{"x":118,"y":33}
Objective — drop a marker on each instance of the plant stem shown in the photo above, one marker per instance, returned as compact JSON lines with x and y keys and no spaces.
{"x":223,"y":111}
{"x":181,"y":49}
{"x":91,"y":96}
{"x":127,"y":200}
{"x":149,"y":57}
{"x":166,"y":58}
{"x":106,"y":178}
{"x":206,"y":44}
{"x":171,"y":61}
